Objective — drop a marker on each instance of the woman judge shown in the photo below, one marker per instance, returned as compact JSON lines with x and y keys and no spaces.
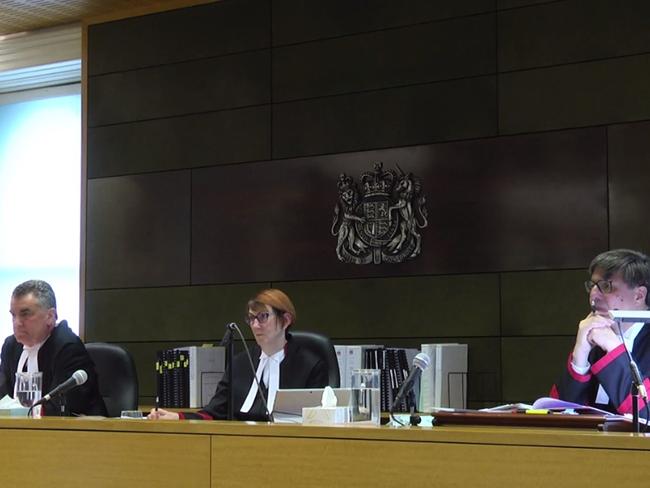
{"x":278,"y":360}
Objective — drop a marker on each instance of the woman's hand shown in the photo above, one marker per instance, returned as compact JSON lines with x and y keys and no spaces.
{"x":161,"y":414}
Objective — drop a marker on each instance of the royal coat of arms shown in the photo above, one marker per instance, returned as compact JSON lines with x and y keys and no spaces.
{"x":379,"y":219}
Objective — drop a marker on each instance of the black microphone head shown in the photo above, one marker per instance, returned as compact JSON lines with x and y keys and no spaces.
{"x":80,"y":377}
{"x":422,"y":361}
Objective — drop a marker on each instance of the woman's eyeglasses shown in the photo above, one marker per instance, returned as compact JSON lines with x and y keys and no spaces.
{"x":261,"y":317}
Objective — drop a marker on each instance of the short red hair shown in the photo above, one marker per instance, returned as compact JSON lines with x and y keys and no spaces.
{"x":274,"y":298}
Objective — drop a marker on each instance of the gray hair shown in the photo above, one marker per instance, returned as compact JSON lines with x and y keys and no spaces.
{"x":633,"y":266}
{"x":41,"y":290}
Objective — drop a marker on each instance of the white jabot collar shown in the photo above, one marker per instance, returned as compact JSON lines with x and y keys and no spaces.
{"x":29,"y":356}
{"x":268,"y":370}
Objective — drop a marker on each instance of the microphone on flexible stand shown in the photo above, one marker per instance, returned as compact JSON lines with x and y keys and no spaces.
{"x":79,"y":377}
{"x":229,"y":344}
{"x":269,"y":414}
{"x":638,"y":388}
{"x":420,"y":362}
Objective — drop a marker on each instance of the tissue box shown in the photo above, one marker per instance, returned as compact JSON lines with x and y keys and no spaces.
{"x":14,"y":412}
{"x":325,"y":415}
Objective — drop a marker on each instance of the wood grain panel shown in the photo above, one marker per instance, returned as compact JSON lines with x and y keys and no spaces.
{"x":531,"y":365}
{"x":204,"y":31}
{"x":572,"y":31}
{"x":298,"y":21}
{"x":416,"y":54}
{"x":180,"y":142}
{"x":494,"y":205}
{"x":414,"y":115}
{"x":629,"y":174}
{"x":443,"y":464}
{"x":543,"y":302}
{"x":105,"y":459}
{"x":196,"y":86}
{"x":593,"y":93}
{"x":138,"y":231}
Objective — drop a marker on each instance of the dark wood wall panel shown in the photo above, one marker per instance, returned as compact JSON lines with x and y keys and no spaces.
{"x":572,"y":31}
{"x":629,"y":180}
{"x":506,"y":4}
{"x":166,"y":314}
{"x":224,"y":27}
{"x":484,"y":369}
{"x":298,"y":21}
{"x":538,"y":303}
{"x":217,"y":134}
{"x":433,"y":306}
{"x":138,"y":231}
{"x":576,"y":95}
{"x":495,"y":204}
{"x":197,"y":86}
{"x":531,"y":365}
{"x":449,"y":110}
{"x":416,"y":54}
{"x":180,"y":142}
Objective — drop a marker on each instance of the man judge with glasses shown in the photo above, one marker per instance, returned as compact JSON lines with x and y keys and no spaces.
{"x":598,"y":369}
{"x":278,"y":362}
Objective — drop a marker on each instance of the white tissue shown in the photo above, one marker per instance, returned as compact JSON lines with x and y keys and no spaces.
{"x":329,"y":398}
{"x":10,"y":407}
{"x":7,"y":402}
{"x":328,"y":413}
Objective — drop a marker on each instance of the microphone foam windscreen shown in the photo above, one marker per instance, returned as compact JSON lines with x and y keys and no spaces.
{"x":422,"y":361}
{"x":80,"y":376}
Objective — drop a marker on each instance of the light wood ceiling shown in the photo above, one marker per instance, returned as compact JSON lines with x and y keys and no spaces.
{"x":26,"y":15}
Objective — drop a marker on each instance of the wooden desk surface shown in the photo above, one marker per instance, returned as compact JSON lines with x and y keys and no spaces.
{"x":114,"y":452}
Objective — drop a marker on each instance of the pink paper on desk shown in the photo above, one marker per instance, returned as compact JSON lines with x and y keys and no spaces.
{"x":555,"y":404}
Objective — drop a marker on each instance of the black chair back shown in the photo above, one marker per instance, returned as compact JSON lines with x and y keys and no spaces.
{"x":323,"y":348}
{"x":117,"y":377}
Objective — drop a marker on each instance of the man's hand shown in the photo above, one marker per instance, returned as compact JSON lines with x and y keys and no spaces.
{"x":605,"y":338}
{"x":594,"y":330}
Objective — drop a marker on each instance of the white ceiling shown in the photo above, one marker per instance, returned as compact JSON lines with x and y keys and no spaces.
{"x":27,"y":15}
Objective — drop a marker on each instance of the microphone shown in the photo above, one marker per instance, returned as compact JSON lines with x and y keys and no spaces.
{"x":228,"y":336}
{"x":631,"y":316}
{"x":420,"y":363}
{"x":79,"y":377}
{"x":233,"y":327}
{"x":637,"y":380}
{"x":229,"y":344}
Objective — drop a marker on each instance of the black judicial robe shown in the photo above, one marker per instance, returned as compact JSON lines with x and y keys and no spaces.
{"x":300,"y":368}
{"x":612,"y":371}
{"x":61,"y":355}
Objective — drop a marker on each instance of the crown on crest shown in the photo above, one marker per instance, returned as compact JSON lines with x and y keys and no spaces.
{"x":378,"y":182}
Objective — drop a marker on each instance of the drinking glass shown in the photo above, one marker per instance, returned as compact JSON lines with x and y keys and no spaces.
{"x":28,"y":390}
{"x":365,"y":399}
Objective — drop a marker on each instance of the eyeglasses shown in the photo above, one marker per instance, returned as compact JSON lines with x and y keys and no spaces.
{"x":605,"y":286}
{"x":261,"y":317}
